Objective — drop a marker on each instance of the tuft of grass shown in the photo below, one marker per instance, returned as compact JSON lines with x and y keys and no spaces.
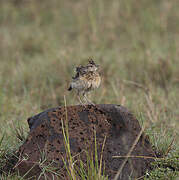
{"x":20,"y":134}
{"x":166,"y":168}
{"x":78,"y":169}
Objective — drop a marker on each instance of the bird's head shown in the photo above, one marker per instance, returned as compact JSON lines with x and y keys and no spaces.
{"x":92,"y":66}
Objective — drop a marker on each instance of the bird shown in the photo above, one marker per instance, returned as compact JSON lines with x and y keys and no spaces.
{"x":87,"y":78}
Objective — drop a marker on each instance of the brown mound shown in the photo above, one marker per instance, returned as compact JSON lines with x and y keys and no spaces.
{"x":45,"y":143}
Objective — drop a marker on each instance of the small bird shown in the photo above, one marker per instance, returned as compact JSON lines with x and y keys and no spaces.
{"x":86,"y":79}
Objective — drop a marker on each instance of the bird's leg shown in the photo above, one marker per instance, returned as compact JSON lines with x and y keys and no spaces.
{"x":87,"y":100}
{"x":78,"y":95}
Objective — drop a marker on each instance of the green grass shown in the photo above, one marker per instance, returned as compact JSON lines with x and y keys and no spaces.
{"x":75,"y":167}
{"x":136,"y":44}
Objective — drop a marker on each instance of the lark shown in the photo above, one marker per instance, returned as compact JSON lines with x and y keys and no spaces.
{"x":87,"y":78}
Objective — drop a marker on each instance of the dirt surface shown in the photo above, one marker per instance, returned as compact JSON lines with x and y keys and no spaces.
{"x":45,"y":142}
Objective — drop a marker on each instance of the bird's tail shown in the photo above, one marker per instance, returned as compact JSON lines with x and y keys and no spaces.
{"x":70,"y":88}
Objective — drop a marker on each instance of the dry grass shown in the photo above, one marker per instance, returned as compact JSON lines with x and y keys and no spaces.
{"x":136,"y":44}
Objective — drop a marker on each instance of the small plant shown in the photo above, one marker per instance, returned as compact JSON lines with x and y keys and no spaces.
{"x":8,"y":159}
{"x":20,"y":133}
{"x":164,"y":169}
{"x":77,"y":169}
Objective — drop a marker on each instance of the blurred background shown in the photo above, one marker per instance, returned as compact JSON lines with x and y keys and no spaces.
{"x":136,"y":44}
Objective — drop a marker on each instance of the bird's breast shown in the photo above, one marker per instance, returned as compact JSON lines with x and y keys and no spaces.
{"x":96,"y":82}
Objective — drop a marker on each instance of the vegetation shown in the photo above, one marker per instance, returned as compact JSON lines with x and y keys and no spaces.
{"x":135,"y":42}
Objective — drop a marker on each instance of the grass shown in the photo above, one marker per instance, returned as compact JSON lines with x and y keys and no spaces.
{"x":76,"y":168}
{"x":136,"y":44}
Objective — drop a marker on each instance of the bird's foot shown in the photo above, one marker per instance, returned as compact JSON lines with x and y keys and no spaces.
{"x":90,"y":103}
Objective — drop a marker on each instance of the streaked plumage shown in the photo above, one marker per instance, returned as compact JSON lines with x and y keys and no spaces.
{"x":86,"y":79}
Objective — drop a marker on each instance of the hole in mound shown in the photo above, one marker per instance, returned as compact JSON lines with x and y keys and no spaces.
{"x":79,"y":149}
